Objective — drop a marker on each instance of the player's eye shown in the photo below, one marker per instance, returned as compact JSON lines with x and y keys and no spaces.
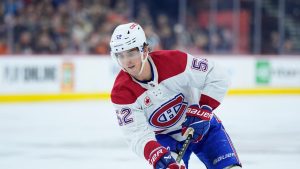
{"x":132,"y":53}
{"x":119,"y":55}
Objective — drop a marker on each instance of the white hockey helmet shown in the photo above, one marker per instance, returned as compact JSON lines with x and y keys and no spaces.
{"x":126,"y":37}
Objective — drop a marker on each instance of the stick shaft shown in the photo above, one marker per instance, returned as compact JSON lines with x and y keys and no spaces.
{"x":185,"y":145}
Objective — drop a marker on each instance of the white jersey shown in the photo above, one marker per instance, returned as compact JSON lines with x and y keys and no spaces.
{"x":159,"y":105}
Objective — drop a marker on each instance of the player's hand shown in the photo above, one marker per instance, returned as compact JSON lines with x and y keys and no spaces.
{"x":170,"y":143}
{"x":176,"y":166}
{"x":198,"y":119}
{"x":161,"y":158}
{"x":167,"y":162}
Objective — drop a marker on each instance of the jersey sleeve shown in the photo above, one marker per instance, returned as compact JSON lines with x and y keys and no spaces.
{"x":134,"y":126}
{"x":209,"y":78}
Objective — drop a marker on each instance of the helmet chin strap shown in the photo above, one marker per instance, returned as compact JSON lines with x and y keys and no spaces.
{"x":143,"y":63}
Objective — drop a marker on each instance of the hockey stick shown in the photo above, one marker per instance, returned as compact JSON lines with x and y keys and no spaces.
{"x":190,"y":132}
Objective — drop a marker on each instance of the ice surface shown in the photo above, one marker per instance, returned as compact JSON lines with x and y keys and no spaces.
{"x":84,"y":134}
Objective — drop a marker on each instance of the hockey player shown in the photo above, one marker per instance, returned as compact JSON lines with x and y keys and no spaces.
{"x":158,"y":95}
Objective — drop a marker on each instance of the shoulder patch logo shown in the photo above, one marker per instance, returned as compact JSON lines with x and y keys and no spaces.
{"x":169,"y":113}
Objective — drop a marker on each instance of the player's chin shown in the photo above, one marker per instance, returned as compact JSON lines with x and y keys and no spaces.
{"x":132,"y":72}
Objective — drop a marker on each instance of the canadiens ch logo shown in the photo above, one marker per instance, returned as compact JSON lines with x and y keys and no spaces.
{"x":169,"y":113}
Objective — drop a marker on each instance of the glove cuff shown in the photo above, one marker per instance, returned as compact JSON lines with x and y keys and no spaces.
{"x":206,"y":107}
{"x":207,"y":100}
{"x":203,"y":114}
{"x":153,"y":151}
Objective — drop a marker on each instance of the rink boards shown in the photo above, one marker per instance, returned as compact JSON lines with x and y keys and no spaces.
{"x":34,"y":78}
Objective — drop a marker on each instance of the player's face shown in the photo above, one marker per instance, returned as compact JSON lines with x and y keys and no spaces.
{"x":130,"y":60}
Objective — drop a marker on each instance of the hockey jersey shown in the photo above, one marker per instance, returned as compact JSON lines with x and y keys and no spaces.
{"x":159,"y":105}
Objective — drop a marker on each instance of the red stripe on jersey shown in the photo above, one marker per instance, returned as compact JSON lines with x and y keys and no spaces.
{"x":206,"y":100}
{"x":125,"y":90}
{"x":169,"y":63}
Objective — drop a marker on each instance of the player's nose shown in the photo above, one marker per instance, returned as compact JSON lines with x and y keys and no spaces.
{"x":125,"y":60}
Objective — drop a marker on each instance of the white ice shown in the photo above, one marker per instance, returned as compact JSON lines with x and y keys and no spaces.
{"x":85,"y":135}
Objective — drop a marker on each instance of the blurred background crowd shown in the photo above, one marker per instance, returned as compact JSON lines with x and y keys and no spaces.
{"x":195,"y":26}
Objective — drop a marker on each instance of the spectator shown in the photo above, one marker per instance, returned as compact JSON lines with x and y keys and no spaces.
{"x":3,"y":47}
{"x":25,"y":43}
{"x":77,"y":26}
{"x":152,"y":38}
{"x":165,"y":31}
